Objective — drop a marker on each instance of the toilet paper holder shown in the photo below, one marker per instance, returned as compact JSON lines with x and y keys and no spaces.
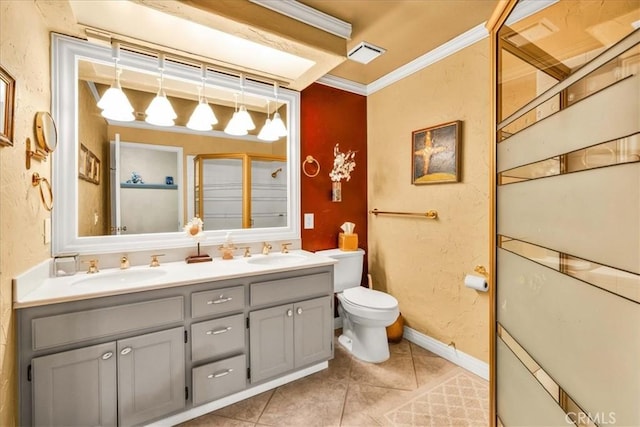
{"x":480,"y":269}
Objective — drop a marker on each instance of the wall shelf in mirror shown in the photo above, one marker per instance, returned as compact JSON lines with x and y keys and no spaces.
{"x":71,"y":60}
{"x":149,"y":186}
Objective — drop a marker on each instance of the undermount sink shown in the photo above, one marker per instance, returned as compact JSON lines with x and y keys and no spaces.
{"x":277,"y":259}
{"x":120,"y":277}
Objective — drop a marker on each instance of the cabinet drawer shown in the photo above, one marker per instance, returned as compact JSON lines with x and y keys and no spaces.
{"x":295,"y":288}
{"x":68,"y":328}
{"x":218,"y":301}
{"x":217,"y":337}
{"x":215,"y":380}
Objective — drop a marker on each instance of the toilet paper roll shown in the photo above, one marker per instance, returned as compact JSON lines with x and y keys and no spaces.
{"x":476,"y":282}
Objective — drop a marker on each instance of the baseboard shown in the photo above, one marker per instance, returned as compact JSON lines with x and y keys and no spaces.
{"x":453,"y":355}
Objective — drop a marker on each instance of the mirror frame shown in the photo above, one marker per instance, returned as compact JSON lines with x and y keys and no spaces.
{"x":66,"y":51}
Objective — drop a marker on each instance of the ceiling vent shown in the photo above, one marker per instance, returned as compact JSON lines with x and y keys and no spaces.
{"x":365,"y":52}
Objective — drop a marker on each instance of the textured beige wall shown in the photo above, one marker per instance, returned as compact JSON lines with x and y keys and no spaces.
{"x":24,"y":52}
{"x":423,"y":262}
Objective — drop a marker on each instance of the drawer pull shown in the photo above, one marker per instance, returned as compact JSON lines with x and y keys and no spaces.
{"x":107,"y":355}
{"x":299,"y":310}
{"x":220,"y":374}
{"x":125,"y":351}
{"x":289,"y":313}
{"x":219,"y":331}
{"x":220,"y":300}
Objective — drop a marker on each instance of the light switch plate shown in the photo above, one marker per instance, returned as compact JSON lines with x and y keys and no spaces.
{"x":308,"y":221}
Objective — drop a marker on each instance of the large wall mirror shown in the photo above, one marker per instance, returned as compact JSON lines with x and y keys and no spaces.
{"x":131,"y":185}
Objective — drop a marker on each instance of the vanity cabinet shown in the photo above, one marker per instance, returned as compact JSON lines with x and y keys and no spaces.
{"x":131,"y":380}
{"x":289,"y":336}
{"x":137,"y":358}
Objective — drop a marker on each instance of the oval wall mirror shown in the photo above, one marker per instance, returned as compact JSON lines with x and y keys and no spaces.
{"x":46,"y":132}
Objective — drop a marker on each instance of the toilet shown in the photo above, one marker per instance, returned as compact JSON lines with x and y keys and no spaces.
{"x":365,"y":312}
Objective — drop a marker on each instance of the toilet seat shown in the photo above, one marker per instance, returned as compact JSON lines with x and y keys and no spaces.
{"x":369,"y":298}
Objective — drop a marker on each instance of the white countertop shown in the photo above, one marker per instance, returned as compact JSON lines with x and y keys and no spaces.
{"x":114,"y":281}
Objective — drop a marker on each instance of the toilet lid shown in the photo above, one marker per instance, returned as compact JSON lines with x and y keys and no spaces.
{"x":370,"y":298}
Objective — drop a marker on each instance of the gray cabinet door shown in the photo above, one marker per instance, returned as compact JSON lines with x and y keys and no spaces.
{"x":313,"y":331}
{"x":151,"y":376}
{"x":76,"y":388}
{"x":271,"y":341}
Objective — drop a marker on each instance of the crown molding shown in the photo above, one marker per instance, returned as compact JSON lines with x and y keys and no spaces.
{"x":343,"y":84}
{"x":465,"y":39}
{"x":309,"y":16}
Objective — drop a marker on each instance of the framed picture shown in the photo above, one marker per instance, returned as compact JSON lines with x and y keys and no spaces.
{"x":83,"y":159}
{"x":435,"y":154}
{"x":7,"y":99}
{"x":88,"y":165}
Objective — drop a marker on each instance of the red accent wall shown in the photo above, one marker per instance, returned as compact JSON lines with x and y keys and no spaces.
{"x":330,"y":116}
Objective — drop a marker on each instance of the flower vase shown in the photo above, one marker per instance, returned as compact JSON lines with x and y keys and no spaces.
{"x":336,"y":191}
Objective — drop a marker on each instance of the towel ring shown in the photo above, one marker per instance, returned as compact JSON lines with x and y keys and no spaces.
{"x":37,"y":180}
{"x":311,"y":160}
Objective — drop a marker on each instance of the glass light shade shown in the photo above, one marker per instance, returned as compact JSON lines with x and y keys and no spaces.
{"x":278,"y":125}
{"x":266,"y":133}
{"x":202,"y":118}
{"x":235,"y":126}
{"x":160,"y":112}
{"x":118,"y":114}
{"x":115,"y":99}
{"x":246,"y":118}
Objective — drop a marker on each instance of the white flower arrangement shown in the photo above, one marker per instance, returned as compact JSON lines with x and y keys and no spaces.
{"x":343,"y":164}
{"x":194,"y":229}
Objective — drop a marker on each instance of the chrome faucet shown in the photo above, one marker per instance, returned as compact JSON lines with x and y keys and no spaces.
{"x":266,"y":248}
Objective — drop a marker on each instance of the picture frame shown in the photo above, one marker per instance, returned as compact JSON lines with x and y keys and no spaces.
{"x":7,"y":104}
{"x":435,"y":154}
{"x":88,"y":165}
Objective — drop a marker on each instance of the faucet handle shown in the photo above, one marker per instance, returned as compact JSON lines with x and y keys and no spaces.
{"x":266,"y":247}
{"x":285,"y":248}
{"x":247,"y":251}
{"x":154,"y":260}
{"x":93,"y":266}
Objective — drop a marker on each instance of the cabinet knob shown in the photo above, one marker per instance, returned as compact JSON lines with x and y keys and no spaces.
{"x":107,"y":355}
{"x":220,"y":374}
{"x":299,"y":310}
{"x":289,"y":313}
{"x":125,"y":351}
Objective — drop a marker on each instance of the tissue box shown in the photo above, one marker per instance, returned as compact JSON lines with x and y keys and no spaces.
{"x":348,"y":242}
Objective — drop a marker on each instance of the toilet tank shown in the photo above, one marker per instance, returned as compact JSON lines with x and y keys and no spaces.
{"x":347,"y":273}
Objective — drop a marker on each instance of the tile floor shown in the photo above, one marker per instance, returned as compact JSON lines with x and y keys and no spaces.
{"x":413,"y":388}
